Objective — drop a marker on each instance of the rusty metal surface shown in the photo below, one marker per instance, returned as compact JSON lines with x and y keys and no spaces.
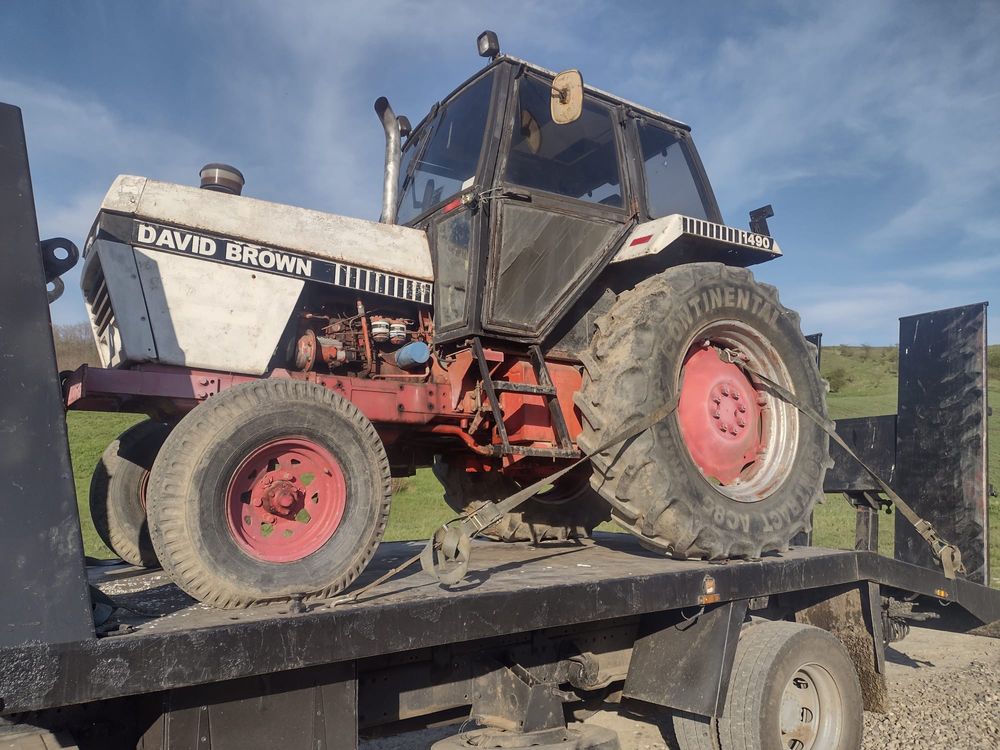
{"x":941,"y":433}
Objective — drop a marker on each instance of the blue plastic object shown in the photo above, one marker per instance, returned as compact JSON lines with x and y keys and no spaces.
{"x":413,"y":355}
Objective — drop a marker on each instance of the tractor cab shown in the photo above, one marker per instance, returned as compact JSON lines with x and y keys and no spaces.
{"x":527,"y":184}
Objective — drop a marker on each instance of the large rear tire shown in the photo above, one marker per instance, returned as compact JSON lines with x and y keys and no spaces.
{"x":118,"y":492}
{"x":569,"y":510}
{"x":270,"y":489}
{"x":736,"y":471}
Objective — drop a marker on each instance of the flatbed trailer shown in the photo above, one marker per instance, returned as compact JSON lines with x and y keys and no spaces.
{"x":595,"y":617}
{"x":112,"y":657}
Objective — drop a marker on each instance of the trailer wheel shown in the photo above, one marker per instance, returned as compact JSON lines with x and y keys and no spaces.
{"x":569,"y":510}
{"x":792,"y":687}
{"x":736,"y":471}
{"x":118,"y":492}
{"x":272,"y":488}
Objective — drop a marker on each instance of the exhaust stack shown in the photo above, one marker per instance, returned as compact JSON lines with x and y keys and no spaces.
{"x":390,"y":187}
{"x":222,"y":178}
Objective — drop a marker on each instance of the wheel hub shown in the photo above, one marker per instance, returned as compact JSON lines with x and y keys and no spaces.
{"x":285,"y":500}
{"x":799,"y":713}
{"x":281,"y":496}
{"x":720,"y":415}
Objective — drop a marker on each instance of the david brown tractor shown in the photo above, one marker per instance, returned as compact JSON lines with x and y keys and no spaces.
{"x":550,"y":267}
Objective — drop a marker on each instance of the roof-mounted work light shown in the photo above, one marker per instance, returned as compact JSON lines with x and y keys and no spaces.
{"x":489,"y":45}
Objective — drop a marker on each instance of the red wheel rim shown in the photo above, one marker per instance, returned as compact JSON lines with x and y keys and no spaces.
{"x":285,"y":500}
{"x":720,"y":417}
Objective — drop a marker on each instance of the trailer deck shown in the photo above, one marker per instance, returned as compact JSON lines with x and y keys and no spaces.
{"x":167,"y":640}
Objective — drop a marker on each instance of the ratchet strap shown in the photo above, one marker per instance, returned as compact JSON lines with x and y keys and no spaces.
{"x":947,"y":554}
{"x":447,"y":554}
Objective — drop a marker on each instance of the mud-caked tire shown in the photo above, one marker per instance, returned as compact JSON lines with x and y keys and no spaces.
{"x":118,"y":489}
{"x":569,"y":510}
{"x":270,"y":489}
{"x":674,"y":332}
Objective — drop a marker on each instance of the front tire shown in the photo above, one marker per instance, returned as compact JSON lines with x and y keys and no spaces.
{"x":118,"y":492}
{"x":736,"y":471}
{"x":270,"y":489}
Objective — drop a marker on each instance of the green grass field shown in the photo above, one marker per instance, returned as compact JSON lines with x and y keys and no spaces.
{"x":864,"y":386}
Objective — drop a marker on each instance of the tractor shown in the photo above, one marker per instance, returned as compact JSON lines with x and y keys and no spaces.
{"x":550,"y":267}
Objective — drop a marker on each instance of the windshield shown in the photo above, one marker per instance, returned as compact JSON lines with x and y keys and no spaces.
{"x":447,"y":164}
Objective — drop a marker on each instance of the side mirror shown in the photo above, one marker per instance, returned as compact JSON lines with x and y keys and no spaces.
{"x":567,"y":97}
{"x":404,"y":126}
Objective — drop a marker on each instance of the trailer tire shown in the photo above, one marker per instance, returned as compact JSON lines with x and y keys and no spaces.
{"x":271,"y":489}
{"x":569,"y":510}
{"x":118,"y":492}
{"x":694,"y":732}
{"x":672,"y":332}
{"x":789,"y":678}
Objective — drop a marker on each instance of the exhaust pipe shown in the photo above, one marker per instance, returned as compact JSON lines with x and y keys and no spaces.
{"x":390,"y":187}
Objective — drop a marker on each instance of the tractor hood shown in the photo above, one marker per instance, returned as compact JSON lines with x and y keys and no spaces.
{"x":213,"y":218}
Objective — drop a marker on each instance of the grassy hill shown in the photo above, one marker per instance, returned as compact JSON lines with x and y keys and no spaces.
{"x":863,"y":383}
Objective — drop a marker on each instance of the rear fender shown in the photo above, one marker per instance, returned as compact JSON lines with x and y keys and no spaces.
{"x":690,"y":240}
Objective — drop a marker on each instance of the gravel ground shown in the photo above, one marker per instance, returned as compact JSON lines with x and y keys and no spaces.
{"x":944,"y":688}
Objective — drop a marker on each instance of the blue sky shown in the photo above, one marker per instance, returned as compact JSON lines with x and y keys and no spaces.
{"x":872,"y":127}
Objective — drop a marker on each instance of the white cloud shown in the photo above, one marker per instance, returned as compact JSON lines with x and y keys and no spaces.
{"x":854,"y":89}
{"x":330,"y":64}
{"x":858,"y":313}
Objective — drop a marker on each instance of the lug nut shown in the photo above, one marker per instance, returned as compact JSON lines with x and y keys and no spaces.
{"x":268,"y":518}
{"x":742,"y":408}
{"x":741,"y":422}
{"x":257,"y":502}
{"x":725,"y":390}
{"x":724,"y":427}
{"x":736,"y":395}
{"x":716,"y":414}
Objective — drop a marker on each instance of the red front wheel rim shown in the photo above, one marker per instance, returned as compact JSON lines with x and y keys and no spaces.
{"x":285,"y":500}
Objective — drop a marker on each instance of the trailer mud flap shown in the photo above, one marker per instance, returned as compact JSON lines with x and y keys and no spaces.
{"x":695,"y":649}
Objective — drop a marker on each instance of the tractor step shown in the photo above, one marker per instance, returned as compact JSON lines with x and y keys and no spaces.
{"x":544,"y":388}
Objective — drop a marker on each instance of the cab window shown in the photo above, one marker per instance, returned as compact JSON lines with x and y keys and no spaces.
{"x":577,"y":160}
{"x":448,"y":162}
{"x":670,"y":184}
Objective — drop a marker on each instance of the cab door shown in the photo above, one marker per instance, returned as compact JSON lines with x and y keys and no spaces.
{"x":448,"y":157}
{"x":559,"y":210}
